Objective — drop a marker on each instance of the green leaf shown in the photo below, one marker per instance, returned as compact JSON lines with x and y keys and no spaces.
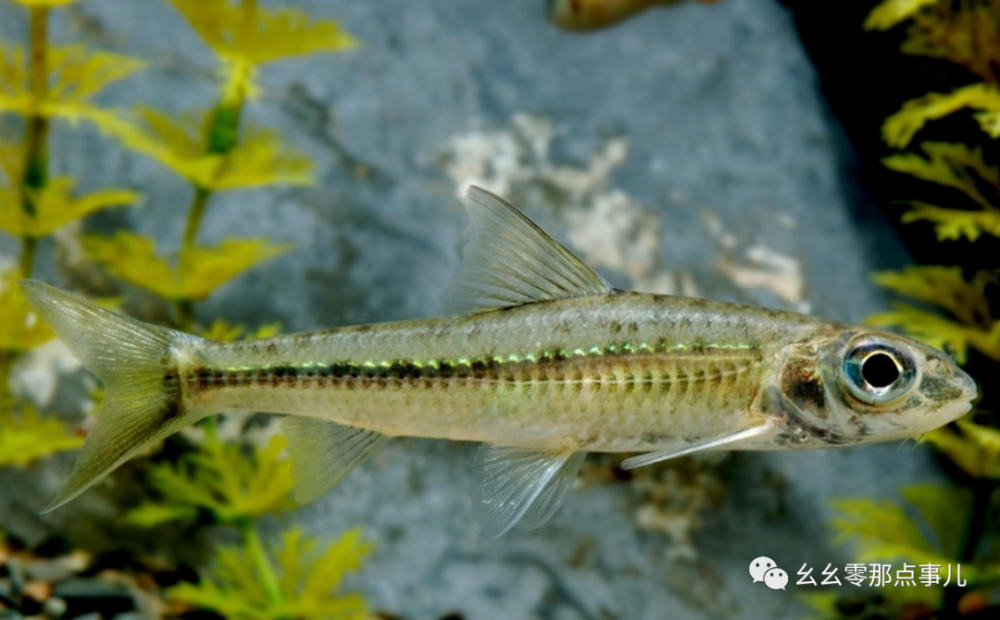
{"x":928,"y":327}
{"x":964,"y":33}
{"x":953,"y":224}
{"x":55,"y":207}
{"x":989,"y":122}
{"x":309,"y":581}
{"x":256,"y":35}
{"x":20,"y":328}
{"x":944,"y":287}
{"x":149,"y":514}
{"x":891,"y":12}
{"x":945,"y":509}
{"x":973,"y":447}
{"x":882,"y":531}
{"x":222,"y":331}
{"x":182,"y":144}
{"x":899,"y":129}
{"x":75,"y":75}
{"x":221,"y":478}
{"x":26,"y":436}
{"x":199,"y":271}
{"x":951,"y":165}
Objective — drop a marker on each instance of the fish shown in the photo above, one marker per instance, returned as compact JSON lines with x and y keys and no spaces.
{"x":535,"y":356}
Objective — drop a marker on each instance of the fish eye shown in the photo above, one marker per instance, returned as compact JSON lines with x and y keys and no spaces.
{"x":878,"y":373}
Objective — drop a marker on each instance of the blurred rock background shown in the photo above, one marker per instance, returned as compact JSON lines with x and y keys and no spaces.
{"x":689,"y":151}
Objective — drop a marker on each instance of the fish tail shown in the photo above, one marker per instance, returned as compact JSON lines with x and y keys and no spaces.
{"x":137,"y":363}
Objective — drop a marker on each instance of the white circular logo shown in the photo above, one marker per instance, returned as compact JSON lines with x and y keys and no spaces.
{"x":760,"y":566}
{"x":776,"y":579}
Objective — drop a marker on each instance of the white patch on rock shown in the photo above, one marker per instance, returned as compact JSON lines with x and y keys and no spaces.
{"x":780,"y":274}
{"x":605,"y":226}
{"x":37,"y":372}
{"x":762,"y":268}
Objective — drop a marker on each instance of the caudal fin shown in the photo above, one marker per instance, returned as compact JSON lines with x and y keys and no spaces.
{"x":142,"y":403}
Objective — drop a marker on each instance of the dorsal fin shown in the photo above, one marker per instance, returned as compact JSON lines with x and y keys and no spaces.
{"x":509,"y":261}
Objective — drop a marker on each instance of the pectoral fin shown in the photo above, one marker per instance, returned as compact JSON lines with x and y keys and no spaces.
{"x":324,"y":453}
{"x":517,"y":485}
{"x":682,"y":448}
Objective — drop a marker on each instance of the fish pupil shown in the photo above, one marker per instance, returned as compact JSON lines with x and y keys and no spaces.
{"x":880,"y":370}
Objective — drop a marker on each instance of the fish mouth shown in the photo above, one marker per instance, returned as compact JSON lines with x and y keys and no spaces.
{"x":965,"y":401}
{"x":971,"y":390}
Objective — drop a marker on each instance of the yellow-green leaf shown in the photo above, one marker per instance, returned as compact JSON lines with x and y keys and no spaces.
{"x":245,"y":31}
{"x":309,"y":581}
{"x":945,"y":509}
{"x":181,"y":144}
{"x":953,"y":224}
{"x":44,"y":4}
{"x":220,"y":478}
{"x":20,"y":328}
{"x":222,"y":331}
{"x":891,"y":12}
{"x":75,"y":75}
{"x":261,"y":159}
{"x":974,"y":448}
{"x":882,"y":531}
{"x":55,"y":207}
{"x":944,"y":287}
{"x":989,"y":122}
{"x":26,"y":436}
{"x":964,"y":33}
{"x":928,"y":327}
{"x":150,"y":514}
{"x":951,"y":165}
{"x":899,"y":129}
{"x":11,"y":161}
{"x":199,"y":270}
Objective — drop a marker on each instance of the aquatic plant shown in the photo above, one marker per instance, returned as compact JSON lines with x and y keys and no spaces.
{"x":217,"y":481}
{"x":42,"y":82}
{"x":953,"y":307}
{"x":967,"y":33}
{"x":216,"y":150}
{"x":25,"y":435}
{"x":299,"y":580}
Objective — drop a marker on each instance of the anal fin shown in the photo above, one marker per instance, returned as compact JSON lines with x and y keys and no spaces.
{"x":517,"y":485}
{"x":682,"y":448}
{"x":324,"y":453}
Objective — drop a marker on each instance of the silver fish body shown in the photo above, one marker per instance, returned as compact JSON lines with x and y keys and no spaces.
{"x":623,"y":372}
{"x":543,"y":362}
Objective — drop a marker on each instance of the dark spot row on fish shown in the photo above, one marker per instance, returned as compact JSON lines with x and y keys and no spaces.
{"x":557,"y":366}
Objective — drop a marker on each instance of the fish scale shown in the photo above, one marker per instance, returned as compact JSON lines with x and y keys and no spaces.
{"x":524,"y":372}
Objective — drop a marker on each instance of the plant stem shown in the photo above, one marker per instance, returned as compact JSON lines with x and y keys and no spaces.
{"x":982,"y":498}
{"x":194,"y":216}
{"x":185,"y":314}
{"x":6,"y":363}
{"x":28,"y":245}
{"x":223,"y":136}
{"x":36,"y":154}
{"x":268,"y":579}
